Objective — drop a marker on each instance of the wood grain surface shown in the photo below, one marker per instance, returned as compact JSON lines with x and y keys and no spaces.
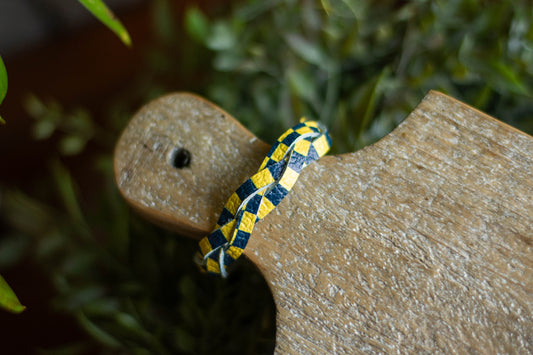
{"x":419,"y":243}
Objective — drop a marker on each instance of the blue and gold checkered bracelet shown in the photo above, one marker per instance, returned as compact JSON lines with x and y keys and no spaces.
{"x":260,"y":194}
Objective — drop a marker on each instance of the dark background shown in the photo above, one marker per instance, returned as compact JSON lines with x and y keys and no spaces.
{"x":56,"y":49}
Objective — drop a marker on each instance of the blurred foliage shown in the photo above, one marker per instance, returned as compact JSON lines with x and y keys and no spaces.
{"x":133,"y":287}
{"x":76,"y":127}
{"x":360,"y":66}
{"x":130,"y":285}
{"x":99,"y":9}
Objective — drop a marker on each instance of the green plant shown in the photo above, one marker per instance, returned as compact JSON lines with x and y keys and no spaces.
{"x":102,"y":13}
{"x":130,"y":285}
{"x":3,"y":85}
{"x":362,"y":66}
{"x":8,"y":300}
{"x":106,"y":16}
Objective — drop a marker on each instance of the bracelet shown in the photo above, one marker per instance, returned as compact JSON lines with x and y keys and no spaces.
{"x":260,"y":194}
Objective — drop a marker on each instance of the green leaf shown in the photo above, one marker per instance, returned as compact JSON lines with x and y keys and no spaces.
{"x":3,"y":80}
{"x":302,"y":84}
{"x":8,"y":299}
{"x":372,"y":100}
{"x":43,"y":129}
{"x":106,"y":16}
{"x":3,"y":85}
{"x":67,"y":191}
{"x":72,"y":144}
{"x":228,"y":61}
{"x":505,"y":77}
{"x":326,"y":4}
{"x":308,"y":51}
{"x":97,"y":332}
{"x":196,"y":24}
{"x":222,"y":37}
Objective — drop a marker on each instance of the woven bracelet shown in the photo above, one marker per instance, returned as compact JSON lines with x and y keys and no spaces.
{"x":260,"y":194}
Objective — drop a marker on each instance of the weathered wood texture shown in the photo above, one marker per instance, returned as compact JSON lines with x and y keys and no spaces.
{"x":420,"y":243}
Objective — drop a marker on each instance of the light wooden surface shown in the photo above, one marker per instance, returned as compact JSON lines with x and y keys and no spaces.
{"x":420,"y":243}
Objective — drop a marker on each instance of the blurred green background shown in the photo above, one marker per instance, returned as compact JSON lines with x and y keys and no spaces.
{"x":98,"y":279}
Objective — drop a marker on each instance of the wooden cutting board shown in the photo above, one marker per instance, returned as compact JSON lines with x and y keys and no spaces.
{"x":419,"y":243}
